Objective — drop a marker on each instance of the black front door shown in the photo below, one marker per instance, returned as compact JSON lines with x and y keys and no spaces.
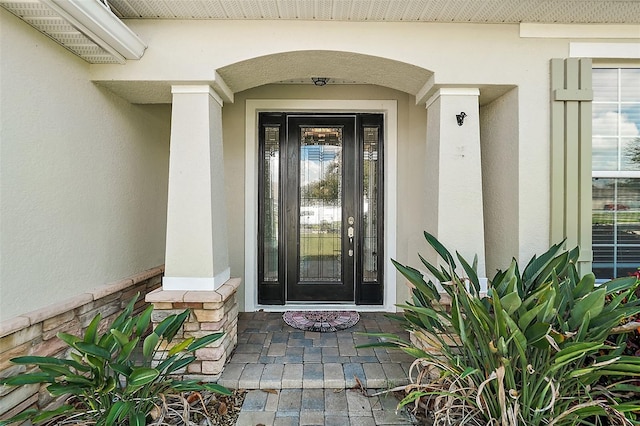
{"x":319,"y":239}
{"x":320,"y":218}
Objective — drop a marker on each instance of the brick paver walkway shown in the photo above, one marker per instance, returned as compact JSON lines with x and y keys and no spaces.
{"x":308,"y":378}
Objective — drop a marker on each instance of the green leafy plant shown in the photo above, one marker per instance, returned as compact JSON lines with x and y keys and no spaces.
{"x":530,"y":352}
{"x":119,"y":376}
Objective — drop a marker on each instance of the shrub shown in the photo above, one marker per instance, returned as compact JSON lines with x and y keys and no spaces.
{"x":118,"y":376}
{"x":530,"y":352}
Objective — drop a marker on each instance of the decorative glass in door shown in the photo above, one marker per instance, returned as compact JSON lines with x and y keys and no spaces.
{"x":320,"y":225}
{"x":271,"y":179}
{"x":370,"y":194}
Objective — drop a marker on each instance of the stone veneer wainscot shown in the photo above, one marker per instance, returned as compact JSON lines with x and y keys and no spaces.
{"x":34,"y":333}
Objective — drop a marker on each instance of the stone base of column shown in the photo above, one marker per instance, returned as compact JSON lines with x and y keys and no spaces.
{"x":427,"y":342}
{"x":211,"y":312}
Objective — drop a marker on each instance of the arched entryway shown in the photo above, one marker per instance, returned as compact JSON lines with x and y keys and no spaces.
{"x":340,"y":68}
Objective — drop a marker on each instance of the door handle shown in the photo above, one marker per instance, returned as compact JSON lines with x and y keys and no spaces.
{"x":350,"y":233}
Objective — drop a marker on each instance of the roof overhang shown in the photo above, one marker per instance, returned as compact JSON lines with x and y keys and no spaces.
{"x":87,"y":28}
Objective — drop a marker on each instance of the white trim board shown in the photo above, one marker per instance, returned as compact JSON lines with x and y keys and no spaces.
{"x":602,"y":31}
{"x":604,"y":50}
{"x":390,"y":110}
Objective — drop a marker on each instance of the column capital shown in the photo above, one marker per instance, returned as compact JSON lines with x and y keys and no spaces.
{"x":221,"y":88}
{"x":189,"y":89}
{"x":452,"y":91}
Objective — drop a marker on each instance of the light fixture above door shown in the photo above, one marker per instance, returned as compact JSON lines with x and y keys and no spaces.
{"x":320,"y":81}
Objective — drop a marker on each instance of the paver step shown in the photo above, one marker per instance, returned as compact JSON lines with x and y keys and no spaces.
{"x":315,"y":376}
{"x":321,"y":407}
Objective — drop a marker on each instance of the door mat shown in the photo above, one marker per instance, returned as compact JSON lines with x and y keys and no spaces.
{"x":321,"y":321}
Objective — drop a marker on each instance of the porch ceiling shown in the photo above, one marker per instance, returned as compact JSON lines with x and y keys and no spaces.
{"x":479,"y":11}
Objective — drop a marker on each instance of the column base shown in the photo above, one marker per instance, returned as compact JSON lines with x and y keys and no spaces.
{"x":211,"y":312}
{"x":196,"y":283}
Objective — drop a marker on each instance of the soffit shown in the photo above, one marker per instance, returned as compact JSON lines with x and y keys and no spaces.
{"x":476,"y":11}
{"x":49,"y":22}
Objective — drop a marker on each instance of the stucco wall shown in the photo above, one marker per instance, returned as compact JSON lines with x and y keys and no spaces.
{"x":499,"y":143}
{"x":456,"y":53}
{"x":83,"y":176}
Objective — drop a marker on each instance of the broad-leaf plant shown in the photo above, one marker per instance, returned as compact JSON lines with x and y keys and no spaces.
{"x":534,"y":350}
{"x":116,"y":377}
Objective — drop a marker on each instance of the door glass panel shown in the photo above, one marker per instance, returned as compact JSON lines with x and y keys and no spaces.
{"x":271,"y":179}
{"x":370,"y":204}
{"x":320,"y":226}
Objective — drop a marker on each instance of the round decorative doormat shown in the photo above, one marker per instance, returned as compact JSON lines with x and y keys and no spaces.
{"x":322,"y":321}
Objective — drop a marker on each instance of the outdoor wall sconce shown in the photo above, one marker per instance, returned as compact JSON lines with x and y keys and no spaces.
{"x":460,"y":118}
{"x":319,"y":81}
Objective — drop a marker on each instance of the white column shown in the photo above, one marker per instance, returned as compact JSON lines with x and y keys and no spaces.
{"x":197,"y":256}
{"x":454,"y":206}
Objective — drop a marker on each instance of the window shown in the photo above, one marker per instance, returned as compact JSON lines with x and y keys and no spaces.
{"x":616,"y":172}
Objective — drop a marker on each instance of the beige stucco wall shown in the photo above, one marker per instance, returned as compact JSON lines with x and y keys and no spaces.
{"x":83,"y":176}
{"x":456,"y":53}
{"x":499,"y":138}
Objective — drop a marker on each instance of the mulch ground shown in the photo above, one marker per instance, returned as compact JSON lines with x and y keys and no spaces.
{"x":201,"y":408}
{"x":189,"y":408}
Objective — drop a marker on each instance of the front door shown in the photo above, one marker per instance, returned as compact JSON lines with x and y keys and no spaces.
{"x":320,"y":218}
